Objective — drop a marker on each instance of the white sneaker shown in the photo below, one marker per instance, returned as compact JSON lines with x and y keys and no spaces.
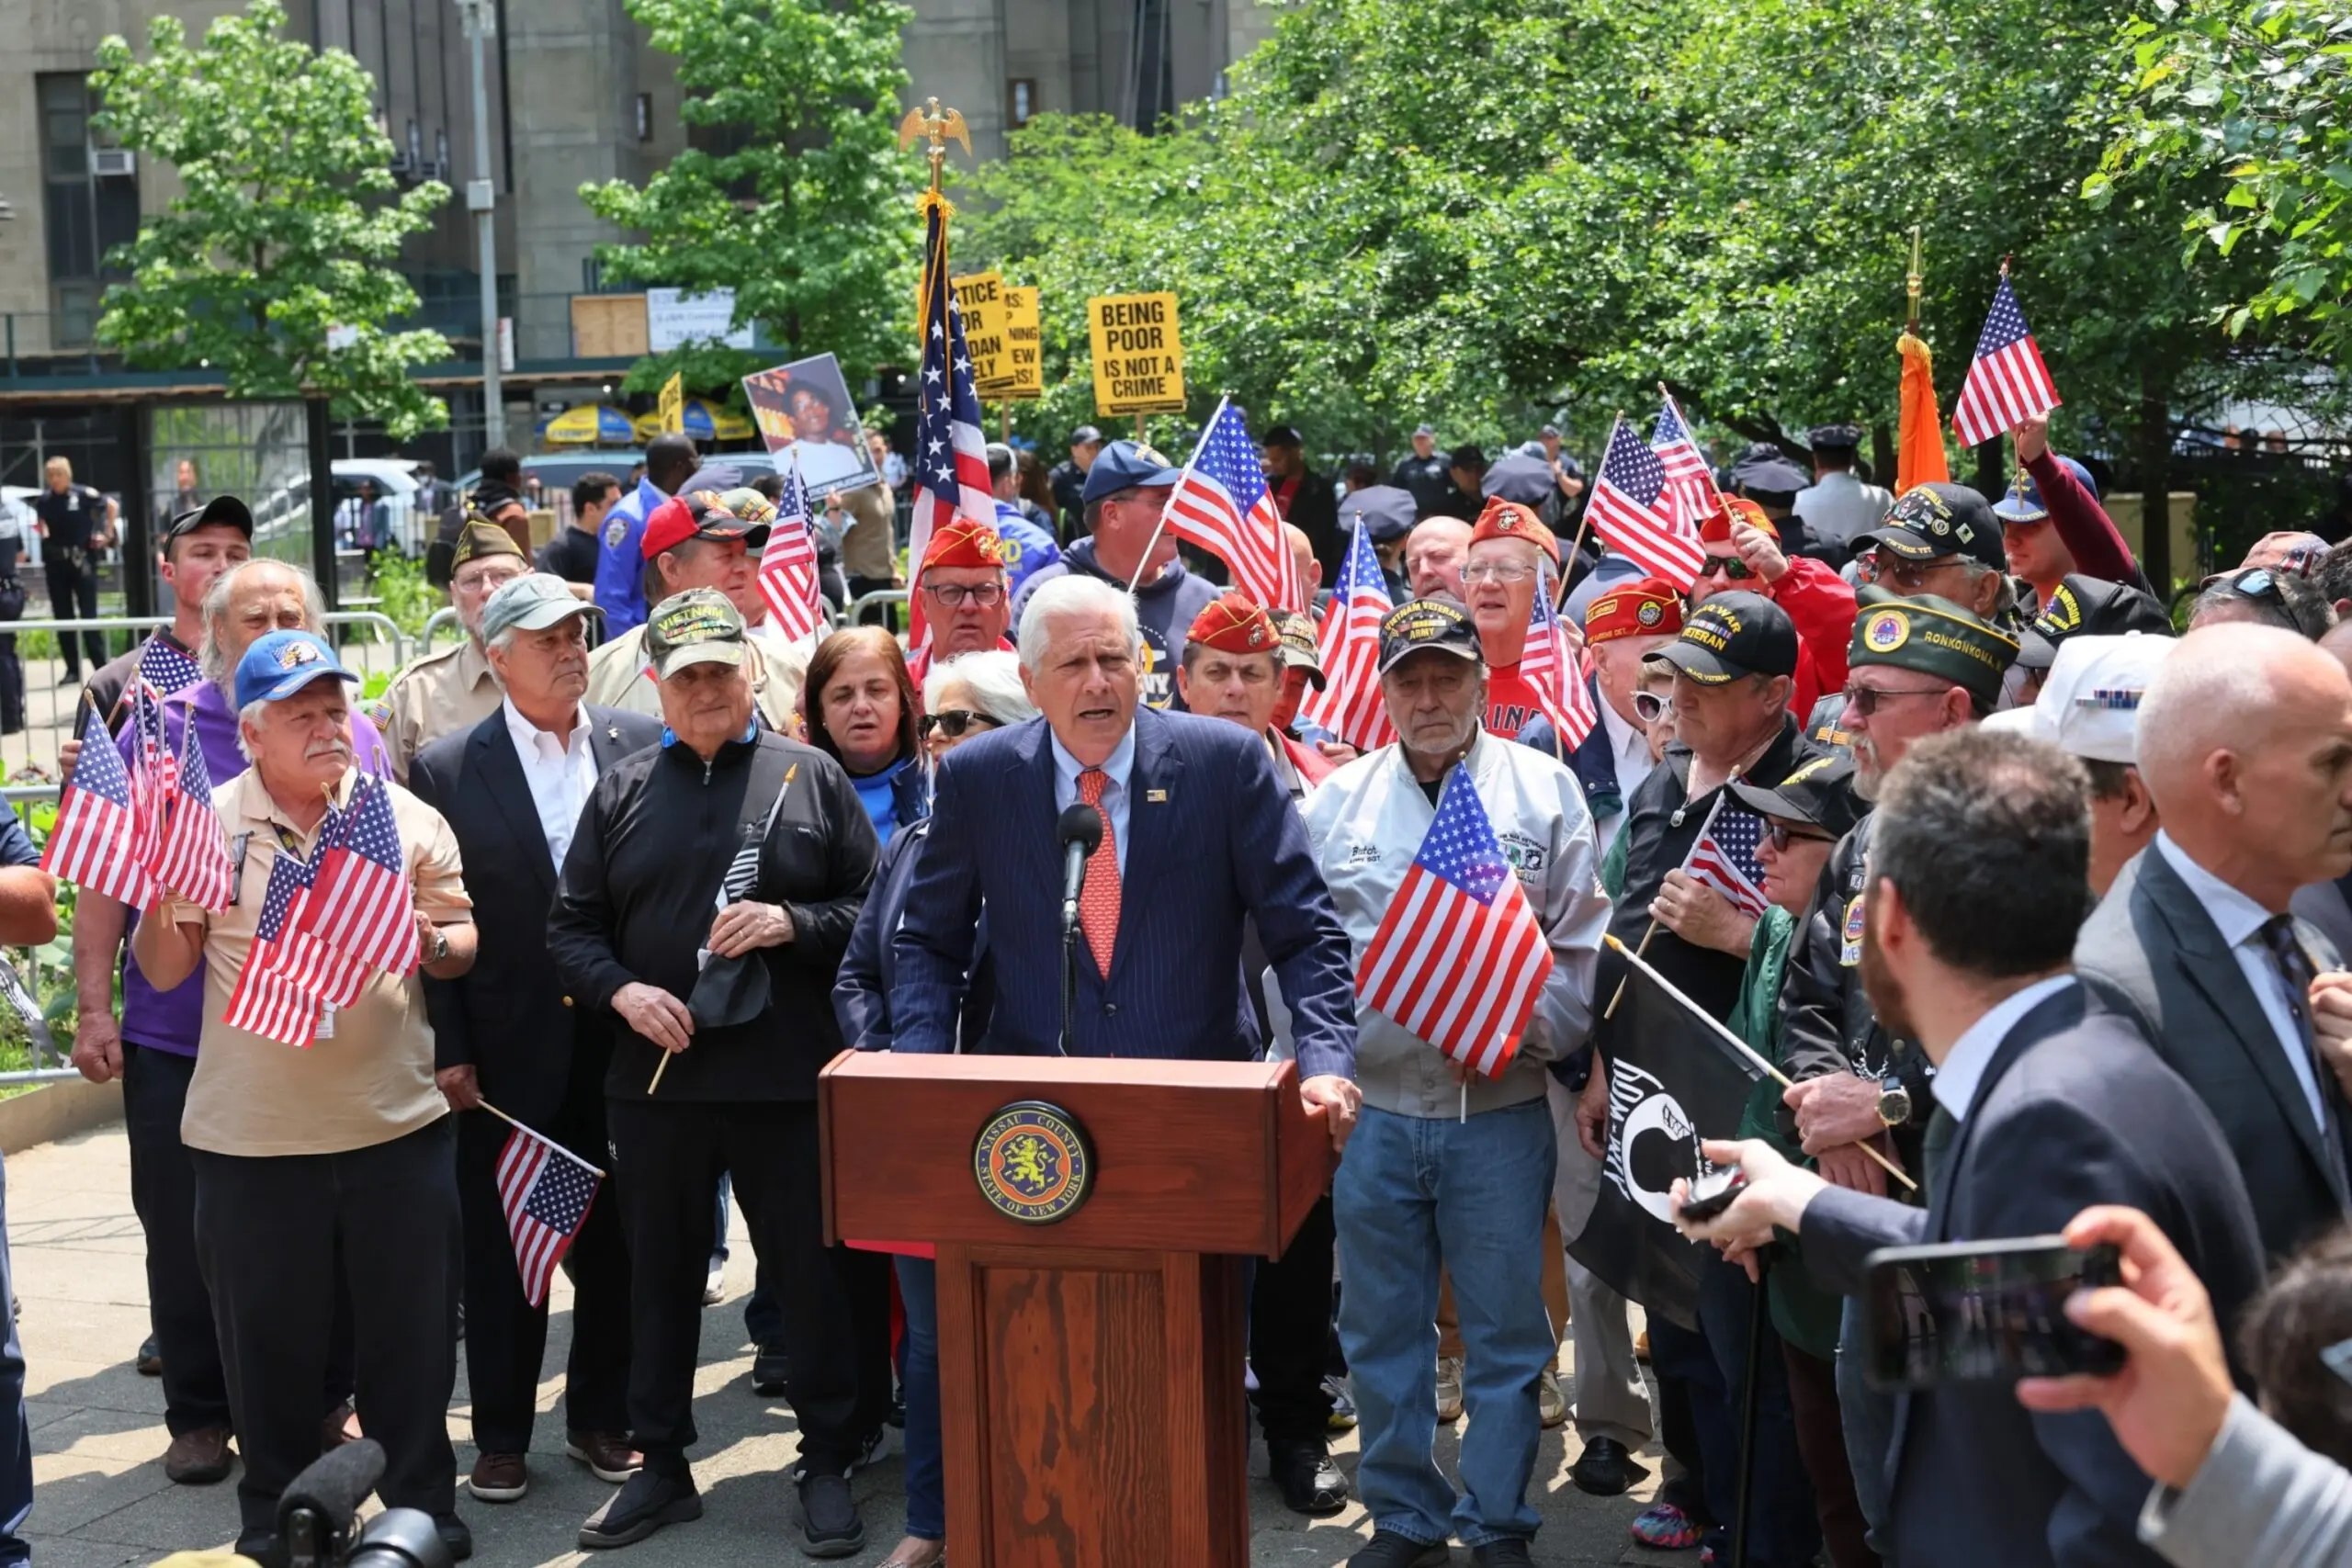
{"x":714,"y":1287}
{"x":1550,"y":1399}
{"x":1449,"y":1390}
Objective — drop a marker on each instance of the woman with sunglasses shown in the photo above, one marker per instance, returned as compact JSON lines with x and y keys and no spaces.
{"x":964,"y":698}
{"x":858,"y":705}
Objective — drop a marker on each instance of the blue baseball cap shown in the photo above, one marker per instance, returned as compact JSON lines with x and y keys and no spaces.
{"x":1127,"y":465}
{"x":2024,"y":503}
{"x":282,"y":663}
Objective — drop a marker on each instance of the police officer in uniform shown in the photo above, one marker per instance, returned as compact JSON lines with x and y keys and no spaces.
{"x":1836,"y":506}
{"x":453,"y":690}
{"x":1427,"y":476}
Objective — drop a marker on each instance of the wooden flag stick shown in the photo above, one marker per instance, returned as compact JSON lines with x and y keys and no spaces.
{"x":658,"y":1069}
{"x":534,"y":1131}
{"x":1620,"y":994}
{"x":1742,"y":1046}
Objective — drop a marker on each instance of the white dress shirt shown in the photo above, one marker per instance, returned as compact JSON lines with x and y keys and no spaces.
{"x":2240,"y":920}
{"x":561,"y":775}
{"x":1629,"y":749}
{"x":1962,"y":1069}
{"x":1116,"y":769}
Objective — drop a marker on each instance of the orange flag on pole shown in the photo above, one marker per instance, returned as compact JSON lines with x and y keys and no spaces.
{"x":1920,"y":451}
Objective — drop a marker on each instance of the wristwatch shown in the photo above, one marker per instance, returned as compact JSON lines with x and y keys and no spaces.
{"x":1894,"y":1101}
{"x":440,"y":945}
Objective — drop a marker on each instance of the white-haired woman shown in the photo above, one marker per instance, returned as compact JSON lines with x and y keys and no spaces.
{"x":962,"y":698}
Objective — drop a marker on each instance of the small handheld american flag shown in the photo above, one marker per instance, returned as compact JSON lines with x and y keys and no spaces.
{"x":2007,"y":383}
{"x":1349,"y":706}
{"x":1222,"y":504}
{"x":288,"y":974}
{"x":546,"y":1191}
{"x":1556,"y":672}
{"x":153,"y":774}
{"x":165,"y":668}
{"x":192,"y":859}
{"x":362,"y":905}
{"x":1631,"y":509}
{"x":1459,"y":959}
{"x":1690,"y":483}
{"x":950,"y":463}
{"x":788,"y":564}
{"x":95,"y":840}
{"x":1724,"y":857}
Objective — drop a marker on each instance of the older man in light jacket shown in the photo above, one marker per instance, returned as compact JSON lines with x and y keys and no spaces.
{"x":1449,"y":1166}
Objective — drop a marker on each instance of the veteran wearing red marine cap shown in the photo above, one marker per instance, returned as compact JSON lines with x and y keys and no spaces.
{"x":1744,"y":554}
{"x":1513,"y":554}
{"x":1621,"y":627}
{"x":1233,"y":668}
{"x":965,"y":600}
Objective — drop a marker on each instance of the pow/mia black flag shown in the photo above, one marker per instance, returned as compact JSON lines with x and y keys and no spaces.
{"x":1674,"y":1079}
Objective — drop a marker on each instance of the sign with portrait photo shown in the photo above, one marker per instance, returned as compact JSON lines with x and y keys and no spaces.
{"x":804,"y":411}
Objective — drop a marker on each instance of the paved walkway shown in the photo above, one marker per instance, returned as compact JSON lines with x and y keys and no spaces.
{"x":101,"y":1500}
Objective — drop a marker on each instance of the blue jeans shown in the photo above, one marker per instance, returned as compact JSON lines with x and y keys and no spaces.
{"x":1410,"y":1195}
{"x":926,"y":1465}
{"x":15,"y":1430}
{"x":1868,"y":1416}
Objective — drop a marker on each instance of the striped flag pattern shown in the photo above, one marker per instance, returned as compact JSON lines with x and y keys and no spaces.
{"x":361,"y":906}
{"x":95,"y":843}
{"x":2007,"y":383}
{"x":1556,"y":672}
{"x":1690,"y":483}
{"x":1459,"y":958}
{"x":288,"y":974}
{"x":545,"y":1192}
{"x":193,"y":858}
{"x":1349,"y":706}
{"x":788,"y":564}
{"x":1725,"y":858}
{"x":950,"y":463}
{"x":1633,"y":511}
{"x":1222,"y":504}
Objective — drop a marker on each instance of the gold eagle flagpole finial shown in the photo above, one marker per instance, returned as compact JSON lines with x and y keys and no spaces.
{"x":939,"y":125}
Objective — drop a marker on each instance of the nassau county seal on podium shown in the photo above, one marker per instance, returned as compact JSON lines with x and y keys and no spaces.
{"x":1032,"y":1163}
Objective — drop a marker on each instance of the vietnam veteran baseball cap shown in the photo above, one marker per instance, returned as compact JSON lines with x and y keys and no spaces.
{"x":533,"y":602}
{"x":1934,"y":637}
{"x":1938,"y":519}
{"x":282,"y":663}
{"x":1436,"y":622}
{"x":698,"y":626}
{"x":1732,"y":635}
{"x":1820,"y":792}
{"x":1300,"y":649}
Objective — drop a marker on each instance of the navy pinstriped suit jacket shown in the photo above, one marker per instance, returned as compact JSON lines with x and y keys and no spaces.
{"x":1212,"y":838}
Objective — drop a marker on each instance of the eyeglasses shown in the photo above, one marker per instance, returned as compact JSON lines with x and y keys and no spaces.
{"x":1909,"y":576}
{"x":952,"y":722}
{"x":1779,"y":836}
{"x":1496,"y":572}
{"x":1864,"y":700}
{"x":1729,"y":566}
{"x":955,"y":595}
{"x":1649,"y":707}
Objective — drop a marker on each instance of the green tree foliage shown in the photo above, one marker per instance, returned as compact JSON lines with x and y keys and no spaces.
{"x":795,"y":194}
{"x":287,"y":224}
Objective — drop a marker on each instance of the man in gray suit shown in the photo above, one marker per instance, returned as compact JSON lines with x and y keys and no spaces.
{"x":2246,"y":747}
{"x":2045,"y":1104}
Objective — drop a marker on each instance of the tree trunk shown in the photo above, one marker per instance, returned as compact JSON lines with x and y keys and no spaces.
{"x":1882,"y":465}
{"x":2152,"y":441}
{"x":1992,"y":476}
{"x":321,"y":446}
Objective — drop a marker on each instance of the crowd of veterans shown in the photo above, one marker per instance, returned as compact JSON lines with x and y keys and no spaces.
{"x":2056,"y":905}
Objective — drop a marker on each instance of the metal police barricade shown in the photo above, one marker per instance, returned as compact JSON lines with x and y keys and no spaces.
{"x":881,"y":596}
{"x":438,"y":624}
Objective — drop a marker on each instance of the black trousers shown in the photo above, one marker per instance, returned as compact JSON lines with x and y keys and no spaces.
{"x":271,"y":1233}
{"x":506,"y":1336}
{"x":1290,"y":1334}
{"x":835,"y":1301}
{"x":163,"y":1190}
{"x":70,"y":586}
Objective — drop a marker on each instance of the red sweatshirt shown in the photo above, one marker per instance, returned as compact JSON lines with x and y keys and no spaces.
{"x":2090,"y":534}
{"x":1822,"y":604}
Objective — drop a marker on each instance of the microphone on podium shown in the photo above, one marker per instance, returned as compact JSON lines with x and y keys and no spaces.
{"x":1080,"y":831}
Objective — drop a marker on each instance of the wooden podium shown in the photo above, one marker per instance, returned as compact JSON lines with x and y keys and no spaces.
{"x":1090,"y":1365}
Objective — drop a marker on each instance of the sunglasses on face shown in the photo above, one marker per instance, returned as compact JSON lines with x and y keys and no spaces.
{"x":1730,"y":567}
{"x":1865,"y":700}
{"x":1781,"y":836}
{"x":1650,"y":707}
{"x":1909,"y":576}
{"x":953,"y":722}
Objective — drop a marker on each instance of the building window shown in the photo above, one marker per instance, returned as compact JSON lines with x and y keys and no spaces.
{"x":1021,"y":100}
{"x":85,"y":214}
{"x":645,"y":117}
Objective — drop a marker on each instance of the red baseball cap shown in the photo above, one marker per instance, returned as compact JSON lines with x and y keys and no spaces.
{"x":1509,"y":520}
{"x":1648,"y":606}
{"x":1235,"y":623}
{"x":965,"y":542}
{"x":1715,"y":528}
{"x":699,"y":515}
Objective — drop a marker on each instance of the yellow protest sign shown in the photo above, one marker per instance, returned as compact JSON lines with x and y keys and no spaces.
{"x":1138,"y":358}
{"x":980,"y":297}
{"x":1024,"y":342}
{"x":673,"y":404}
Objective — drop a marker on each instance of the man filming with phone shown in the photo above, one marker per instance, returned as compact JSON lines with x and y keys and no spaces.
{"x":2044,"y":1104}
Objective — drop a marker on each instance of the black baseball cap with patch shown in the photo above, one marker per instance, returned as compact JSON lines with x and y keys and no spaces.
{"x":2091,"y":606}
{"x":1436,"y":622}
{"x":1820,"y":792}
{"x":221,"y":511}
{"x":1732,"y":635}
{"x":1936,"y":520}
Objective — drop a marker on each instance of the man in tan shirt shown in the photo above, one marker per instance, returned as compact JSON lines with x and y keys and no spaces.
{"x":340,"y":1153}
{"x":452,"y":690}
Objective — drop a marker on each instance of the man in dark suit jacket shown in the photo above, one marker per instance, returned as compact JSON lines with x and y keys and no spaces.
{"x":2246,"y":747}
{"x":511,"y":787}
{"x":1198,"y":834}
{"x":2046,"y":1105}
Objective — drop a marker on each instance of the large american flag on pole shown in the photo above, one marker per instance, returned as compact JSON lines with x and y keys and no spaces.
{"x":1724,"y":857}
{"x":1630,"y":508}
{"x":1459,"y":959}
{"x":1556,"y":671}
{"x":950,"y":461}
{"x":1349,"y":706}
{"x":193,"y":858}
{"x":289,"y":974}
{"x":2007,"y":383}
{"x":1222,"y":504}
{"x":361,"y":905}
{"x":95,"y":840}
{"x":788,"y":564}
{"x":546,"y":1191}
{"x":1690,"y":483}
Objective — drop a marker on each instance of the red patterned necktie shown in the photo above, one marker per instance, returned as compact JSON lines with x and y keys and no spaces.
{"x":1098,"y":903}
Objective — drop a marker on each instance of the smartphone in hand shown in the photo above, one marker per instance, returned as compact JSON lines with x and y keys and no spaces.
{"x":1983,"y":1311}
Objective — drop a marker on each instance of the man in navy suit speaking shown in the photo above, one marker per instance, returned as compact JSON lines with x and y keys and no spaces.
{"x":1197,"y":834}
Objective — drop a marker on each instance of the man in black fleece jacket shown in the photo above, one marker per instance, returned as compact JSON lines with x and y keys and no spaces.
{"x":778,"y":826}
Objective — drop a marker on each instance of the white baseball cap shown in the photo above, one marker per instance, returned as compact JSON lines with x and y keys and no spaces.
{"x":2089,"y":705}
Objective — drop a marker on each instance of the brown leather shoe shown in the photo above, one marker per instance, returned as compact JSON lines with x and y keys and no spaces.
{"x":338,"y":1426}
{"x":607,"y":1454}
{"x":498,"y":1478}
{"x":200,"y":1457}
